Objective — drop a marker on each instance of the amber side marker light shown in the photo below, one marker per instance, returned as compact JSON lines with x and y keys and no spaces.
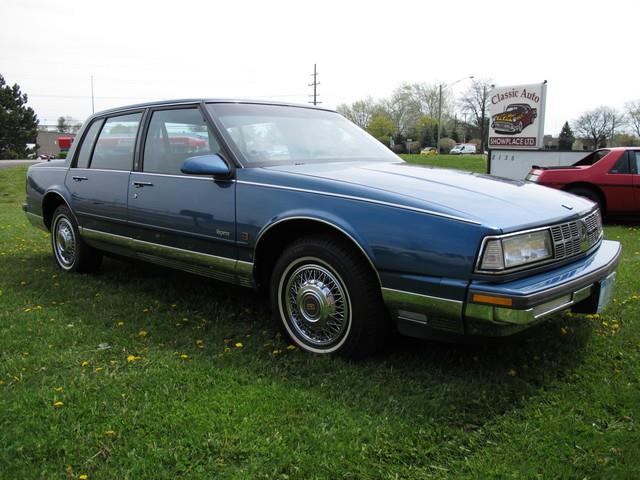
{"x":502,"y":301}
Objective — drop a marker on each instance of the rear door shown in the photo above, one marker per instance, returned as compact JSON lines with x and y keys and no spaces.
{"x":99,"y":177}
{"x":181,"y":217}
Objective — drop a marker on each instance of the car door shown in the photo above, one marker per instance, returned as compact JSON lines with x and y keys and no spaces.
{"x":186,"y":219}
{"x":618,"y":185}
{"x":98,"y":179}
{"x":635,"y":167}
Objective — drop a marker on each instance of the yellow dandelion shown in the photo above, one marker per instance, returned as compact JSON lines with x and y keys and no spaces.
{"x":110,"y":433}
{"x":132,"y":358}
{"x":173,"y":305}
{"x":200,"y":343}
{"x":120,"y":323}
{"x":227,"y":341}
{"x":291,"y":347}
{"x":277,"y":352}
{"x":239,"y":345}
{"x":142,"y":333}
{"x":145,"y":310}
{"x":84,"y":364}
{"x":83,"y":477}
{"x":563,"y":331}
{"x":184,"y":356}
{"x":58,"y":389}
{"x":99,"y":369}
{"x":227,"y":349}
{"x":58,"y":404}
{"x":512,"y":372}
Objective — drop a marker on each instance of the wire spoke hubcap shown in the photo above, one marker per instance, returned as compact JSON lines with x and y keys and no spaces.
{"x":65,"y":242}
{"x":317,"y":305}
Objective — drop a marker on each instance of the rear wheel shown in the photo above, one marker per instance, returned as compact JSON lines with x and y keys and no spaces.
{"x":69,"y":250}
{"x":327,"y":298}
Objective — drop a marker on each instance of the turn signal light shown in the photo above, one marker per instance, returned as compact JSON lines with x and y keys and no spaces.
{"x":502,"y":301}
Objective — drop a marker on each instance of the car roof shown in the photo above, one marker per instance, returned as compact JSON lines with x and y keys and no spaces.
{"x":160,"y":103}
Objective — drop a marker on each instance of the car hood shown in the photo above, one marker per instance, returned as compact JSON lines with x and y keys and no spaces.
{"x":497,"y":203}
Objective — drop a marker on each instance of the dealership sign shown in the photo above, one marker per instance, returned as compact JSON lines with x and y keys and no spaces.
{"x":517,"y":116}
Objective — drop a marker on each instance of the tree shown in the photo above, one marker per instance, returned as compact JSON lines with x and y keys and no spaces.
{"x":424,"y":131}
{"x":18,"y":123}
{"x":632,"y":109}
{"x":566,"y":138}
{"x":63,"y":126}
{"x":382,"y":127}
{"x":598,"y":125}
{"x":360,"y":112}
{"x":476,"y":102}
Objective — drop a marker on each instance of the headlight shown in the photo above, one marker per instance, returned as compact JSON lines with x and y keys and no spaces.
{"x":516,"y":250}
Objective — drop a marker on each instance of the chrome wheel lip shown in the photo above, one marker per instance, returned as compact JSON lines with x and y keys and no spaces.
{"x":64,"y":242}
{"x":293,"y":325}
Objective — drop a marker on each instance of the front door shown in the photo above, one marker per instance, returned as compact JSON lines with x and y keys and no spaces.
{"x":183,"y":219}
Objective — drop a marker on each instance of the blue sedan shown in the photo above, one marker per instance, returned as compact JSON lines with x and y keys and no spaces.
{"x":349,"y":241}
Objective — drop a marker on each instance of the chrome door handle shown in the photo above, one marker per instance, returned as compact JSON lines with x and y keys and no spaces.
{"x":142,"y":184}
{"x":79,"y":179}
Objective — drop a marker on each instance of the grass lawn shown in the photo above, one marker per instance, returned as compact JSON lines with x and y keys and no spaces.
{"x":472,"y":163}
{"x":138,"y":372}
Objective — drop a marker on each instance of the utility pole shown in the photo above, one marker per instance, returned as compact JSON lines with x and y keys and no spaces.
{"x":93,"y":109}
{"x":440,"y":87}
{"x":315,"y":86}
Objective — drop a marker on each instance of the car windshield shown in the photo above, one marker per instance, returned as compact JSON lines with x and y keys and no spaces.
{"x":514,"y":108}
{"x":283,"y":135}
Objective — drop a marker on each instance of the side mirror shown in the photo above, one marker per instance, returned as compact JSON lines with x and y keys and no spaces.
{"x":206,"y":165}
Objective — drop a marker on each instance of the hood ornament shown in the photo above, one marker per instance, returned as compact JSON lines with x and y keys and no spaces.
{"x":568,"y":207}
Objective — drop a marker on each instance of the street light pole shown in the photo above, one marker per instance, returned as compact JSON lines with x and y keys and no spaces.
{"x":440,"y":88}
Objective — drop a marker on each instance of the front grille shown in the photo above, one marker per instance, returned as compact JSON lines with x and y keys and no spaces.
{"x":575,"y":237}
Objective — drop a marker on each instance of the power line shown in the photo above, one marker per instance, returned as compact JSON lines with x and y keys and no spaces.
{"x":315,"y":86}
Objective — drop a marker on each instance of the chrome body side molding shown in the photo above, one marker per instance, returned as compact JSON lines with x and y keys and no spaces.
{"x":220,"y":268}
{"x":434,"y":312}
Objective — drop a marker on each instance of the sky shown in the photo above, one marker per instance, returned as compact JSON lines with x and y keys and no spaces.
{"x":140,"y":51}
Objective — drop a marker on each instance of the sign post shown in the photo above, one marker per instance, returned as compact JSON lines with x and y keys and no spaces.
{"x":517,"y":117}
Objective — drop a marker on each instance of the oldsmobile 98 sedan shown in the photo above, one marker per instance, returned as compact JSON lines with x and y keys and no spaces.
{"x":348,"y":240}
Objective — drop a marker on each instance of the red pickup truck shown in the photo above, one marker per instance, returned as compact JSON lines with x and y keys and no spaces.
{"x":609,"y":177}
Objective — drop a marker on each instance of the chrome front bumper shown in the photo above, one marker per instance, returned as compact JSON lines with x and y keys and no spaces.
{"x":530,"y":300}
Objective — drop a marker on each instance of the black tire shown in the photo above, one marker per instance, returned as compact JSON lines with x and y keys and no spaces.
{"x":328,"y":300}
{"x":589,"y":194}
{"x":72,"y":254}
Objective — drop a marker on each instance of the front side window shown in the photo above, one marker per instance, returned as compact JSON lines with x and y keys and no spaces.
{"x":173,"y":136}
{"x":116,"y":143}
{"x":87,"y":144}
{"x":285,"y":135}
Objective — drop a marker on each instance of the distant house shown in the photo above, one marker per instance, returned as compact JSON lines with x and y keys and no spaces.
{"x":551,"y":142}
{"x":48,"y":142}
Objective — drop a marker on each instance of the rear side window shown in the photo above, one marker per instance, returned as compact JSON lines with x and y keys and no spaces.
{"x":87,"y":144}
{"x":173,"y":136}
{"x":622,"y":165}
{"x":116,"y":143}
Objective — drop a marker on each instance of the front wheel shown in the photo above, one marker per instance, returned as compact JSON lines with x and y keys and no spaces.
{"x":69,"y":250}
{"x":327,"y":298}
